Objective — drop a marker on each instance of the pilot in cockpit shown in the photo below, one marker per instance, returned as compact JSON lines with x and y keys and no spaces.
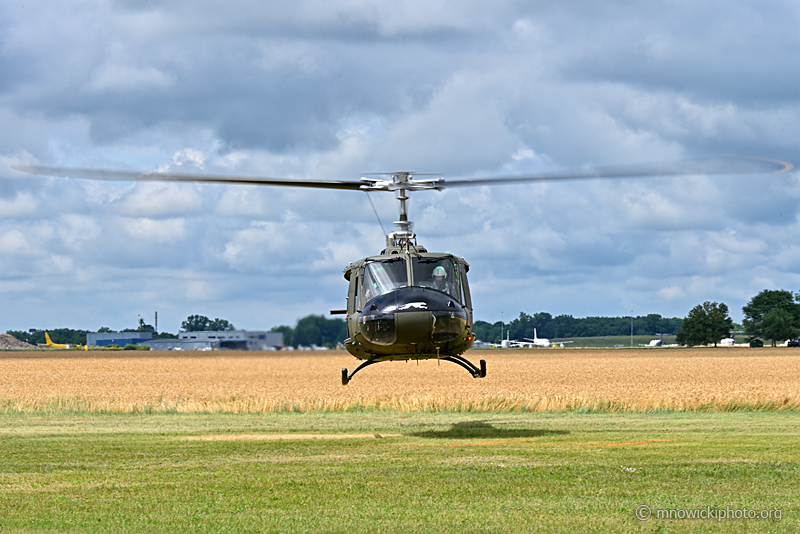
{"x":440,"y":280}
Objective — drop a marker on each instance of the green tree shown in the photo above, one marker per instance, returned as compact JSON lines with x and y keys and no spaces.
{"x":564,"y":326}
{"x":195,"y":323}
{"x":762,"y":304}
{"x":287,"y":332}
{"x":201,"y":323}
{"x":706,"y":323}
{"x":164,"y":335}
{"x":489,"y":332}
{"x":317,"y":330}
{"x":220,"y":325}
{"x":778,"y":325}
{"x":58,"y":335}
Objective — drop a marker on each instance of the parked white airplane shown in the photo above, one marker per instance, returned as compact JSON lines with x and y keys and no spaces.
{"x":656,"y":342}
{"x":511,"y":343}
{"x":507,"y":343}
{"x":542,"y":342}
{"x":528,"y":343}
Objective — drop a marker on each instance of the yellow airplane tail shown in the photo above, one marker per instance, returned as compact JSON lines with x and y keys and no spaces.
{"x":49,"y":342}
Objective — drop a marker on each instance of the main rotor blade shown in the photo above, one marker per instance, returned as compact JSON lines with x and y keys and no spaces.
{"x":94,"y":174}
{"x":733,"y":164}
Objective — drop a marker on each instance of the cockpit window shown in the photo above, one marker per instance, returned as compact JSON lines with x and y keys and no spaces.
{"x":383,"y":276}
{"x":437,"y":273}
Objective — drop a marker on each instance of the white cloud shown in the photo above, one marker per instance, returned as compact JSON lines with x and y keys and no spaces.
{"x":22,"y":205}
{"x":334,"y":90}
{"x":202,"y":290}
{"x":155,"y":230}
{"x":672,"y":293}
{"x":153,"y":199}
{"x":76,"y":229}
{"x":13,"y":242}
{"x":124,"y":78}
{"x":189,"y":157}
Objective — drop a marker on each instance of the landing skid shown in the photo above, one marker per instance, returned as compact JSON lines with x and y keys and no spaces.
{"x":469,"y":366}
{"x":476,"y":372}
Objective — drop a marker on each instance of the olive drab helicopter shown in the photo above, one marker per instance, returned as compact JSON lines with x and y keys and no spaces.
{"x":407,"y":303}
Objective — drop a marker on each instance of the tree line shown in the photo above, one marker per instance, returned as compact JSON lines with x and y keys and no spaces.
{"x":564,"y":326}
{"x":313,"y":330}
{"x":71,"y":336}
{"x":310,"y":330}
{"x":772,"y":315}
{"x":58,"y":335}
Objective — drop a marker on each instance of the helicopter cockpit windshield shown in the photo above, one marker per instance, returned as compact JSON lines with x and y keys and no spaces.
{"x":383,"y":276}
{"x":437,"y":273}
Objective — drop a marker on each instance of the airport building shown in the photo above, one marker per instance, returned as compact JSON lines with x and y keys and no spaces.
{"x":236,"y":339}
{"x":233,"y":340}
{"x":117,"y":338}
{"x":178,"y":344}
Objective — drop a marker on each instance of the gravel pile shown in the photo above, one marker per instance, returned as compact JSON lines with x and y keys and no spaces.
{"x":8,"y":341}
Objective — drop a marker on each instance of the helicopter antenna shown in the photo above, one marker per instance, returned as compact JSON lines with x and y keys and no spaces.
{"x":376,"y":212}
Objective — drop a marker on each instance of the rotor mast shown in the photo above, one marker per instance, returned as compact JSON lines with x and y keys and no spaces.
{"x":402,"y":236}
{"x":402,"y":182}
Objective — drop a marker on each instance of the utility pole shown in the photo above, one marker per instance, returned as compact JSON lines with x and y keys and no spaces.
{"x":501,"y":327}
{"x":631,"y":328}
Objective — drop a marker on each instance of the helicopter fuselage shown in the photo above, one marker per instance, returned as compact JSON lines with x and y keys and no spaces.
{"x":398,"y":310}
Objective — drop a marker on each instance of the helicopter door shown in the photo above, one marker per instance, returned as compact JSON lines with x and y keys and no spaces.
{"x":353,"y":304}
{"x":465,"y":287}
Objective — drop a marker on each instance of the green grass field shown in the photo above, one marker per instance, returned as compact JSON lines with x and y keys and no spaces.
{"x":428,"y":472}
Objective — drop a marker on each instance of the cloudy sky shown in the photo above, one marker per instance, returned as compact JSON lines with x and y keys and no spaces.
{"x":320,"y":89}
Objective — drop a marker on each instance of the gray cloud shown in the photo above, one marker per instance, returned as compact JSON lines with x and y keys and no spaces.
{"x":327,"y":90}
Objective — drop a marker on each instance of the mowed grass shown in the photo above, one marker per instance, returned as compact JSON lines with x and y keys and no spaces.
{"x":427,"y":472}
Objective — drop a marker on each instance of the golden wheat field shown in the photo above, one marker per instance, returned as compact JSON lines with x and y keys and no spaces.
{"x":529,"y":380}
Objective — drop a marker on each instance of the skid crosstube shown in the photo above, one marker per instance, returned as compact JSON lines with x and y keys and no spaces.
{"x":476,"y":372}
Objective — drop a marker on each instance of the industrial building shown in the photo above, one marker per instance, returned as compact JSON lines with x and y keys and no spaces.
{"x":117,"y":338}
{"x":236,"y":339}
{"x":233,"y":340}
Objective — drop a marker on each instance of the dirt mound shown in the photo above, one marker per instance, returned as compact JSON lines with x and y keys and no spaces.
{"x":8,"y":341}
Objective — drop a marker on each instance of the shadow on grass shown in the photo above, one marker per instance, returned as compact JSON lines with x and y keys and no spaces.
{"x":481,"y":429}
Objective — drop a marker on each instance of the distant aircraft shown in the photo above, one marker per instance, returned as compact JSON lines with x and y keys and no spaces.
{"x":51,"y":345}
{"x":528,"y":343}
{"x":657,"y":342}
{"x":510,"y":343}
{"x":542,"y":342}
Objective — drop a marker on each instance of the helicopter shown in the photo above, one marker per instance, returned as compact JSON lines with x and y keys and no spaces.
{"x":407,"y":303}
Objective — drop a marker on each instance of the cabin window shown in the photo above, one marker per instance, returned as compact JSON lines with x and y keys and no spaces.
{"x":437,"y":273}
{"x":383,"y":276}
{"x":356,"y":295}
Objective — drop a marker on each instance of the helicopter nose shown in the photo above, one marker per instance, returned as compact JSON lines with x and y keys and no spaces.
{"x":413,"y":315}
